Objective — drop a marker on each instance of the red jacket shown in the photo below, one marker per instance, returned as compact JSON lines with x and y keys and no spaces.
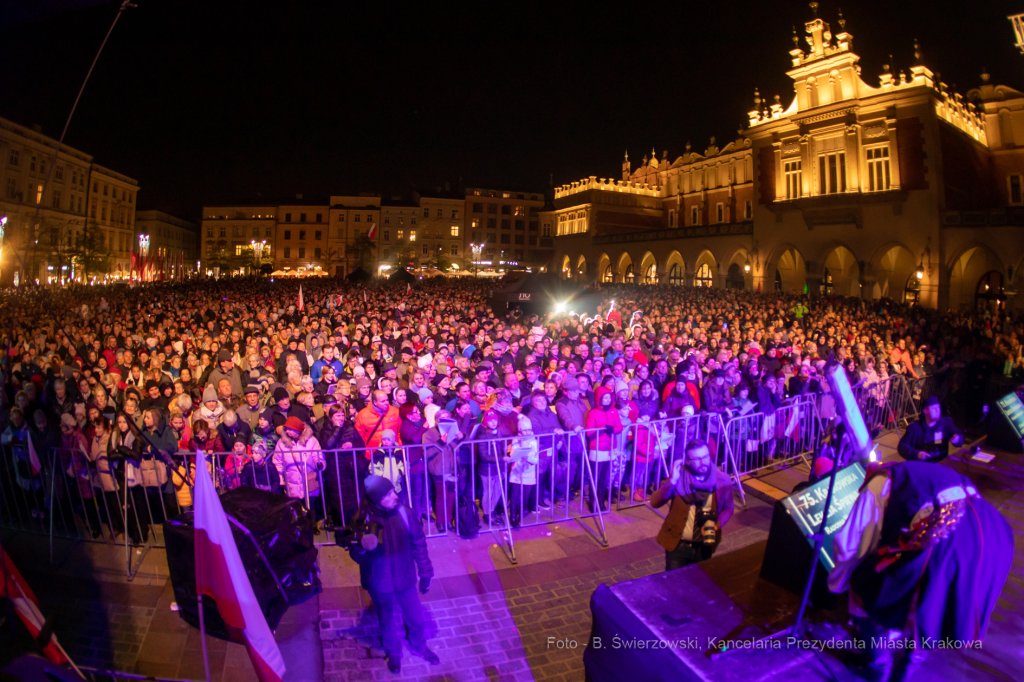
{"x":367,"y":419}
{"x":598,"y":423}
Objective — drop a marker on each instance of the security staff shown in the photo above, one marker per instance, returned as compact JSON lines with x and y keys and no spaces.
{"x":928,"y":439}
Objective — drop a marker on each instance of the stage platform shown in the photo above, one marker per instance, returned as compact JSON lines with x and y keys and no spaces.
{"x":694,"y":609}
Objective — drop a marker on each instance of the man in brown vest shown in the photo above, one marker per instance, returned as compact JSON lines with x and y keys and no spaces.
{"x":701,"y":503}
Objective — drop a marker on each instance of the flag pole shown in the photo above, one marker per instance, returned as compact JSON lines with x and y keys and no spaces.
{"x":201,"y":461}
{"x":202,"y":637}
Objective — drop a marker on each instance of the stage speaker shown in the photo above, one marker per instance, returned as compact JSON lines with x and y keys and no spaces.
{"x":277,"y":551}
{"x":1006,"y":424}
{"x":787,"y":557}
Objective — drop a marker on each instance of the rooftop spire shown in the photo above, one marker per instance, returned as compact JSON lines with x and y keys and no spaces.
{"x":842,"y":22}
{"x":814,"y":8}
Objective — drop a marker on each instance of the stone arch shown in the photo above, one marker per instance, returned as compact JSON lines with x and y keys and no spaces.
{"x":648,"y":273}
{"x":604,"y":273}
{"x":674,"y":270}
{"x":625,"y":271}
{"x":565,"y":272}
{"x":893,"y":264}
{"x":966,"y":268}
{"x":709,"y":276}
{"x":842,"y":267}
{"x":787,"y":268}
{"x":740,"y":270}
{"x":581,"y":268}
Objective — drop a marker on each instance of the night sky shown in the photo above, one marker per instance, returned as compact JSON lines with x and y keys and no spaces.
{"x":215,"y":102}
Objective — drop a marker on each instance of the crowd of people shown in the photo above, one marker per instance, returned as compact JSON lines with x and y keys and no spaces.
{"x":423,"y":384}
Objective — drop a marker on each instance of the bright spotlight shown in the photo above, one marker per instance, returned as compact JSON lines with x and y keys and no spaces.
{"x":560,"y":307}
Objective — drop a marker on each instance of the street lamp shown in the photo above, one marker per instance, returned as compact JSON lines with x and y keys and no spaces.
{"x":477,"y":250}
{"x":257,"y":251}
{"x":143,"y":252}
{"x":3,"y":231}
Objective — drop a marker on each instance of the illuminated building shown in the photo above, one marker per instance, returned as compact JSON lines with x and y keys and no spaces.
{"x":904,"y":190}
{"x":171,"y":240}
{"x":79,"y":192}
{"x":508,"y":224}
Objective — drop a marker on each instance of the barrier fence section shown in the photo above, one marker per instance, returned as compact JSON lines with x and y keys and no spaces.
{"x":517,"y":482}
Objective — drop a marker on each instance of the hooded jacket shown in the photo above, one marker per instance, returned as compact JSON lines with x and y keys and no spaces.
{"x":602,"y":424}
{"x":400,"y":555}
{"x":297,"y":462}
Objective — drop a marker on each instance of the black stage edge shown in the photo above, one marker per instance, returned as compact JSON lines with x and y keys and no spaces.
{"x":695,"y":608}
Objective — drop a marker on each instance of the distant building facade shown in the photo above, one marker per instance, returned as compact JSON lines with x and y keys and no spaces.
{"x":171,"y":239}
{"x":507,"y":224}
{"x":904,"y":190}
{"x":79,"y":192}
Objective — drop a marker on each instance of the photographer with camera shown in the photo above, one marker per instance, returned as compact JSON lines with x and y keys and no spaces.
{"x":386,"y":540}
{"x":701,"y":503}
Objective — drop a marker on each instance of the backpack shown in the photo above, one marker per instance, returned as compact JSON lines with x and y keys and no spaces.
{"x":468,"y":520}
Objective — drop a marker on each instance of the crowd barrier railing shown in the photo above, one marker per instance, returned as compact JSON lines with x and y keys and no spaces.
{"x":548,"y":478}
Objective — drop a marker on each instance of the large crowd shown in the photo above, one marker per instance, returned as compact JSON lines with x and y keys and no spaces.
{"x":119,"y":380}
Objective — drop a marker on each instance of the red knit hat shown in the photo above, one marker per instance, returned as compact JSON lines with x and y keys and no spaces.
{"x":294,"y":423}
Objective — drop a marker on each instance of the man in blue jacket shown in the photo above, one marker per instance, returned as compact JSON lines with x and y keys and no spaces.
{"x":390,"y":548}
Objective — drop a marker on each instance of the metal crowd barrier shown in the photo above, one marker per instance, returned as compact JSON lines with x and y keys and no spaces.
{"x":761,"y":441}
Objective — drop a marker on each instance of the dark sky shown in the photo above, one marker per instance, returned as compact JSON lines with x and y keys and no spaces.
{"x":212,"y":102}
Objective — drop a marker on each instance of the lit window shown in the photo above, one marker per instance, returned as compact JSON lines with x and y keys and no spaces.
{"x":401,"y":235}
{"x":832,"y":173}
{"x":651,"y":274}
{"x":912,"y":292}
{"x":608,"y":275}
{"x":455,"y":230}
{"x":878,"y":169}
{"x":238,"y":249}
{"x":704,"y":278}
{"x":675,"y":275}
{"x":794,"y":181}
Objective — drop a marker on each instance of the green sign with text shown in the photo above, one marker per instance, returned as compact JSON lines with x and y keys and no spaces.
{"x":1013,"y":409}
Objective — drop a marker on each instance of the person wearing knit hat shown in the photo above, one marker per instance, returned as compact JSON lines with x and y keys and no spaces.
{"x":391,"y":550}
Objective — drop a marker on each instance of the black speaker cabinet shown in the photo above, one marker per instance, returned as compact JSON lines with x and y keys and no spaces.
{"x":787,"y":560}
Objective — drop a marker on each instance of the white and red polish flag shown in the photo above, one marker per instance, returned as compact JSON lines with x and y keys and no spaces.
{"x":302,"y":306}
{"x":14,"y":587}
{"x":221,"y":576}
{"x":372,"y":234}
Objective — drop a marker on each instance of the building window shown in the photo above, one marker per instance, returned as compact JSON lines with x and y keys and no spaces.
{"x":426,"y":212}
{"x":693,"y":215}
{"x":520,"y":225}
{"x":672,"y":218}
{"x":58,"y":173}
{"x":302,"y":217}
{"x":319,"y":217}
{"x":238,"y":249}
{"x":387,"y":220}
{"x":387,"y":235}
{"x":704,"y":278}
{"x":455,"y":249}
{"x":520,"y":210}
{"x":748,"y":210}
{"x":826,"y":282}
{"x":505,"y":238}
{"x":302,"y":252}
{"x":12,"y":188}
{"x":412,"y":235}
{"x":474,"y":223}
{"x":103,"y":212}
{"x":269,"y":232}
{"x":478,"y":208}
{"x":455,"y":214}
{"x":505,"y":223}
{"x":287,"y":252}
{"x":651,"y":274}
{"x":355,"y":218}
{"x":56,"y":198}
{"x":79,"y":204}
{"x":1015,"y":190}
{"x":223,"y":232}
{"x":778,"y":281}
{"x":15,"y":158}
{"x":878,"y":169}
{"x":318,"y":235}
{"x":426,"y":250}
{"x":492,"y":223}
{"x":628,"y":275}
{"x":519,"y":239}
{"x":506,"y":209}
{"x":455,"y":230}
{"x":369,"y":217}
{"x":546,"y":232}
{"x":794,"y":179}
{"x":492,"y":208}
{"x":316,"y":253}
{"x":832,"y":173}
{"x":287,"y":234}
{"x":341,"y":217}
{"x":608,"y":276}
{"x":719,"y":213}
{"x":675,"y":275}
{"x":287,"y":217}
{"x":302,"y":235}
